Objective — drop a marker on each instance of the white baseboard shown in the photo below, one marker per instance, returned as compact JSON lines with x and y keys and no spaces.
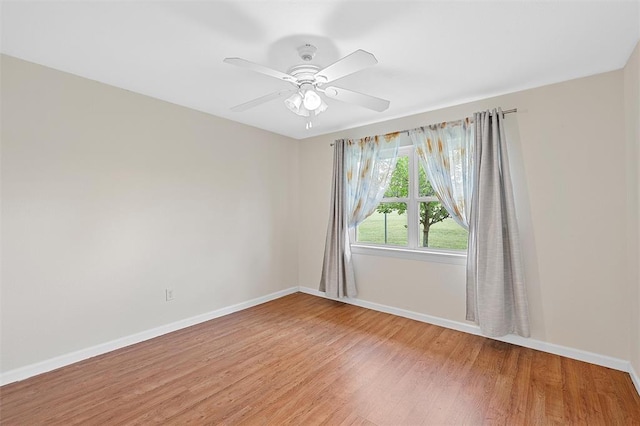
{"x":634,"y":377}
{"x":67,"y":359}
{"x":578,"y":354}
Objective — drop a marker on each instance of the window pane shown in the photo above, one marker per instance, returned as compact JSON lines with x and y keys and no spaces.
{"x":424,"y":186}
{"x":399,"y":185}
{"x":387,"y":225}
{"x":441,"y":230}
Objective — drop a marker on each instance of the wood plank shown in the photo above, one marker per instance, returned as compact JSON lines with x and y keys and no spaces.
{"x":307,"y":360}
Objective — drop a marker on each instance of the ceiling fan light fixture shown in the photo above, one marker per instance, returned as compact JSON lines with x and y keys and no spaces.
{"x":305,"y":101}
{"x":322,"y":108}
{"x":294,"y":102}
{"x":312,"y":100}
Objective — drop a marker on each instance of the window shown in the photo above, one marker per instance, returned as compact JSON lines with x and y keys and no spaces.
{"x":410,"y":215}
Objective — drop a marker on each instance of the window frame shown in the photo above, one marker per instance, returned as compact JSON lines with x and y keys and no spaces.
{"x":413,"y":250}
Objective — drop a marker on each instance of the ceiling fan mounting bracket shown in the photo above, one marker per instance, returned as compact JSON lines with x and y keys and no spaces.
{"x":307,"y":52}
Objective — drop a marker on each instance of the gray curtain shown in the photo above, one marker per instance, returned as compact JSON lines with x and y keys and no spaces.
{"x":496,"y":293}
{"x":338,"y":279}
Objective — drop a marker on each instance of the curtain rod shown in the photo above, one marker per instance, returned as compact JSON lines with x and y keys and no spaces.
{"x":508,"y":111}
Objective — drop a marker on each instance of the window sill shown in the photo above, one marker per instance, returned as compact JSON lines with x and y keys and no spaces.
{"x":450,"y":257}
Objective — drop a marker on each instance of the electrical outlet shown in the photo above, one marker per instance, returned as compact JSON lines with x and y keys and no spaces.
{"x":169,"y":294}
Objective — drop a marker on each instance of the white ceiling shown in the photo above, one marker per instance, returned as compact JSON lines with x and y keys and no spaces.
{"x":431,"y":54}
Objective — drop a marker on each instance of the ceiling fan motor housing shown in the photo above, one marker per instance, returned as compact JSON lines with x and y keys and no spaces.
{"x":304,"y":73}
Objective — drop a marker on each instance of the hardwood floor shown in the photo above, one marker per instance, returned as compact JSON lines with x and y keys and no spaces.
{"x":306,"y":360}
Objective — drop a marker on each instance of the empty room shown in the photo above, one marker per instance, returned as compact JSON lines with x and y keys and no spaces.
{"x":320,"y":212}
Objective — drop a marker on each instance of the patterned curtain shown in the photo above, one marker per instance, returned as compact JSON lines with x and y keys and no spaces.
{"x":369,"y":164}
{"x":446,"y":154}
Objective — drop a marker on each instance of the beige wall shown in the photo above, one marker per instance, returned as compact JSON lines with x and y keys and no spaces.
{"x":567,"y":149}
{"x":109,"y":197}
{"x":632,"y":120}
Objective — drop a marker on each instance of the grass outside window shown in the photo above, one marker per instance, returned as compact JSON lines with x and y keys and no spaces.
{"x":446,"y":234}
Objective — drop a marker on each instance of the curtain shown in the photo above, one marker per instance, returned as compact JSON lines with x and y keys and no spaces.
{"x":446,"y":153}
{"x":369,"y":164}
{"x":496,"y":294}
{"x":362,"y":170}
{"x":337,"y":279}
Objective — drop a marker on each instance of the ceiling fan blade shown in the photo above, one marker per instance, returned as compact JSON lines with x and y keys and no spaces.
{"x":261,"y":69}
{"x":351,"y":63}
{"x":266,"y":98}
{"x":349,"y":96}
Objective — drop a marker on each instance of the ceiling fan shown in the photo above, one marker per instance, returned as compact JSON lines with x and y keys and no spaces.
{"x":309,"y":81}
